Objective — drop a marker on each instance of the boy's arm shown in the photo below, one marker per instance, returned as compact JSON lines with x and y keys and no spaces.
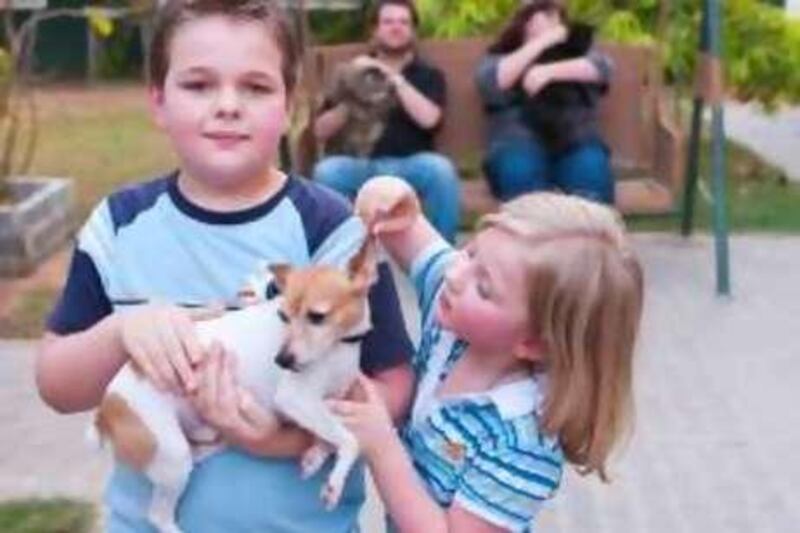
{"x":72,"y":371}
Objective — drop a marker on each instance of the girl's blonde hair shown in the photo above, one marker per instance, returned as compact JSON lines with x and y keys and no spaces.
{"x":585,"y":290}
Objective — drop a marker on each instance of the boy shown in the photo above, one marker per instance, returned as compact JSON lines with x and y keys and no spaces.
{"x":221,"y":76}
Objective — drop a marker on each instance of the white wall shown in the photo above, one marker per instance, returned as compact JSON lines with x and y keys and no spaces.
{"x":793,"y":7}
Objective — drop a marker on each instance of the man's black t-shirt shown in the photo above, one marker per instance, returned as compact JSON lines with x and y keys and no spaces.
{"x":402,"y":136}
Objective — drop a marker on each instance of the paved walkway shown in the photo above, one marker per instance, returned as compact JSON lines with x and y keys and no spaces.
{"x":718,"y":428}
{"x":775,"y":137}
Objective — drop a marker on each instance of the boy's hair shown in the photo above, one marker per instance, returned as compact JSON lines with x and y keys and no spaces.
{"x":513,"y":34}
{"x":174,"y":13}
{"x":585,"y":289}
{"x":408,"y":4}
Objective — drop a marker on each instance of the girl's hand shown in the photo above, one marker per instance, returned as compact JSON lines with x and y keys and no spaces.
{"x":368,"y":419}
{"x":229,"y":408}
{"x":536,"y":79}
{"x":387,"y":204}
{"x":161,"y":341}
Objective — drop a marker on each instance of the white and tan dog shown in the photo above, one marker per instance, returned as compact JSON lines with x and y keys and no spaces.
{"x":293,"y":352}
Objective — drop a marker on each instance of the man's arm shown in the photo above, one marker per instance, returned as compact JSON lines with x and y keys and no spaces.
{"x":422,"y":110}
{"x":330,"y":122}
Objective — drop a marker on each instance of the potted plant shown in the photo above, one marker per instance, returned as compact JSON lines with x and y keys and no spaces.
{"x":36,"y":212}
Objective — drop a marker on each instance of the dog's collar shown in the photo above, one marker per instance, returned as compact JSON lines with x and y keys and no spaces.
{"x":357,"y":338}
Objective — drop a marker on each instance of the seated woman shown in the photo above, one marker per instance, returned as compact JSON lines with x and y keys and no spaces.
{"x":540,"y":83}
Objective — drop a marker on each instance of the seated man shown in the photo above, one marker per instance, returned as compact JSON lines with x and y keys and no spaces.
{"x":404,"y":149}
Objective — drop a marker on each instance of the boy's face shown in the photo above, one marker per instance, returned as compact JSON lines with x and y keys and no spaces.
{"x":223,"y":102}
{"x":484,"y":297}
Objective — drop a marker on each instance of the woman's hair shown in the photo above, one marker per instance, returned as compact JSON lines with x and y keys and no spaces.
{"x":513,"y":35}
{"x":375,"y":12}
{"x":585,"y":289}
{"x":175,"y":13}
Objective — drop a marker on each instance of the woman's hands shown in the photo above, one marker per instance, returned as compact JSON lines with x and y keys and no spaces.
{"x":551,"y":36}
{"x":537,"y":78}
{"x":387,"y":204}
{"x":161,"y":341}
{"x":228,"y":407}
{"x":366,"y":416}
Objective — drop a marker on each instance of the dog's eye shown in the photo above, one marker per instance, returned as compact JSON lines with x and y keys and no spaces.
{"x":284,"y":318}
{"x":272,"y":290}
{"x":316,"y":318}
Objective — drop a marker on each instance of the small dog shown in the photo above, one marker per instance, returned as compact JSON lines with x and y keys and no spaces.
{"x":369,"y":96}
{"x":293,"y":352}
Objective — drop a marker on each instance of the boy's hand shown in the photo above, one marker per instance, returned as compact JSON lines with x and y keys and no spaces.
{"x":387,"y":204}
{"x":367,"y":419}
{"x":229,"y":408}
{"x":161,"y":341}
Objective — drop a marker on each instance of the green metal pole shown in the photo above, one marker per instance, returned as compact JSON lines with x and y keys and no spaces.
{"x":718,"y":165}
{"x":692,"y":169}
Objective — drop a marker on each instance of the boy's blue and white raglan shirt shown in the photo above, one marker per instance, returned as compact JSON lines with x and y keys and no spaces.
{"x":483,"y":451}
{"x":148,"y":242}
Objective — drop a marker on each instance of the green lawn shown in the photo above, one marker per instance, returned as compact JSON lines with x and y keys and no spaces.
{"x":104,"y":140}
{"x":102,"y":145}
{"x":46,"y":516}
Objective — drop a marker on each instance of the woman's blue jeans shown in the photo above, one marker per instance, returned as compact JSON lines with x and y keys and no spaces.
{"x":514,"y":167}
{"x":431,"y":175}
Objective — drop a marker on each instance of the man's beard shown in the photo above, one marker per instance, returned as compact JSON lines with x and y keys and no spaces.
{"x":394,"y":51}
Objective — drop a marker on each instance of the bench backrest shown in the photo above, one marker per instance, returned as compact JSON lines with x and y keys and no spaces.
{"x":626,"y":113}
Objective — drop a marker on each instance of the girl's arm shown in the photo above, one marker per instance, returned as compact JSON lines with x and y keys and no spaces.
{"x":513,"y":66}
{"x":407,"y":501}
{"x":390,"y":209}
{"x":581,"y":69}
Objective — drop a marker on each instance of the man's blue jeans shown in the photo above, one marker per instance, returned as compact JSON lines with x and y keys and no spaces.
{"x":431,"y":175}
{"x":514,"y":167}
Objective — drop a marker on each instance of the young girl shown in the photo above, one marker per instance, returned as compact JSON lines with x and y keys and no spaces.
{"x":524,"y":361}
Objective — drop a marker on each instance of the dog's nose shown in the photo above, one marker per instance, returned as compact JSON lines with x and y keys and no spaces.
{"x":285,"y":360}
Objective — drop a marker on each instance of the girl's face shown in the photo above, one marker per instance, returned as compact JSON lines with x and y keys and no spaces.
{"x":484,"y":298}
{"x":223,"y":102}
{"x":540,"y":22}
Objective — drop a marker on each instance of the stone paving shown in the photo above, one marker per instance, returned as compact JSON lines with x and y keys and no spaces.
{"x":717,"y":429}
{"x":775,"y":137}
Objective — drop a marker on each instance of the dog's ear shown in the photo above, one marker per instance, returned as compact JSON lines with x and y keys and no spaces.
{"x":281,"y":272}
{"x":363,"y":266}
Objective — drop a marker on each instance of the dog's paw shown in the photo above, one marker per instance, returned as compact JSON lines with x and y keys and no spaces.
{"x":313,"y":459}
{"x":331,"y":493}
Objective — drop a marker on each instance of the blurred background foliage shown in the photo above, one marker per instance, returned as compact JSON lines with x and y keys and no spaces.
{"x":761,"y":43}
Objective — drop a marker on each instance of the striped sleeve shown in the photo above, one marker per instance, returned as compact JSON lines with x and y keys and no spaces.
{"x":506,"y":484}
{"x":427,"y":272}
{"x":83,"y":301}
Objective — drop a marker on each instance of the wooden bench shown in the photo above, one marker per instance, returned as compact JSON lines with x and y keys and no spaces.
{"x":647,"y":147}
